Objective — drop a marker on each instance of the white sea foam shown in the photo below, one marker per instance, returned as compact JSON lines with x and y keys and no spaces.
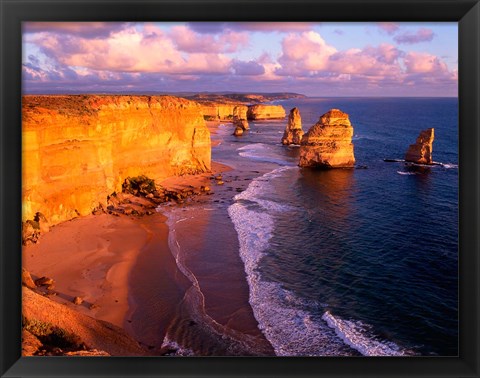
{"x":450,"y":165}
{"x":291,"y":330}
{"x":179,"y":350}
{"x":263,"y":152}
{"x":359,"y":336}
{"x":406,"y":173}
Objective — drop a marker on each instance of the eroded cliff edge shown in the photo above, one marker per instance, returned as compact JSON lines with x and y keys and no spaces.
{"x":77,"y":150}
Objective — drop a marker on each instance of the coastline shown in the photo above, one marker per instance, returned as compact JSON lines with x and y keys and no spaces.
{"x":124,"y":270}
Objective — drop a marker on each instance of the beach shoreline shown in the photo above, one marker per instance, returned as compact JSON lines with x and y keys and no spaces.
{"x":123,"y":269}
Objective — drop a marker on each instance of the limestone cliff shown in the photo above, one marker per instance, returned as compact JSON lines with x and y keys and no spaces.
{"x":218,"y":111}
{"x":421,"y":151}
{"x":328,"y":143}
{"x":79,"y":149}
{"x":265,"y":112}
{"x":293,"y":132}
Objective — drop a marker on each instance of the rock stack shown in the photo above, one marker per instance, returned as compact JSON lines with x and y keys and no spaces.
{"x":261,"y":111}
{"x":240,"y":120}
{"x":293,"y":132}
{"x":328,"y":143}
{"x":421,"y":151}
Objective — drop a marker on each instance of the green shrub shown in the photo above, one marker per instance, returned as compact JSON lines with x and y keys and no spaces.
{"x":50,"y":335}
{"x":138,"y":185}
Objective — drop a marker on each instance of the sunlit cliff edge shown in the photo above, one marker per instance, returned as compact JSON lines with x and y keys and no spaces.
{"x":77,"y":150}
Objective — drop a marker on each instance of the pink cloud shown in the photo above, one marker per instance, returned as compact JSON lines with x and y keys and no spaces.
{"x":421,"y":35}
{"x":373,"y":61}
{"x":189,"y":41}
{"x":388,"y":27}
{"x":416,"y":62}
{"x":307,"y":54}
{"x":304,"y":52}
{"x":129,"y":50}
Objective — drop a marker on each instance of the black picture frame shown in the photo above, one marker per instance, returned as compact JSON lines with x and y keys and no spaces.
{"x":14,"y":12}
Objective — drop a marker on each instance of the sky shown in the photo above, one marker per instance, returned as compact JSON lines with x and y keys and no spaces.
{"x":315,"y":59}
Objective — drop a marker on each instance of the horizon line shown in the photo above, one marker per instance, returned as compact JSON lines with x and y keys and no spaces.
{"x":212,"y":93}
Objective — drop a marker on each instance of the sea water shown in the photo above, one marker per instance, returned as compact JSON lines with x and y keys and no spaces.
{"x":352,"y":261}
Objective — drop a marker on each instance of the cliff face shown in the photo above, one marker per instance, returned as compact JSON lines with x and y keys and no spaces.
{"x":218,"y":111}
{"x":265,"y":112}
{"x":79,"y":149}
{"x":293,"y":132}
{"x":421,"y":151}
{"x":328,"y":143}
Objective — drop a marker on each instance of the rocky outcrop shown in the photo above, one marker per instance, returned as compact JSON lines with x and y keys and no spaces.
{"x":27,"y":279}
{"x":42,"y":316}
{"x":256,"y":112}
{"x":293,"y":132}
{"x":77,"y":150}
{"x":421,"y":151}
{"x":328,"y":143}
{"x":240,"y":117}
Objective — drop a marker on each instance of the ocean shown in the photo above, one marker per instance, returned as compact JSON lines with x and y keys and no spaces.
{"x":345,"y":262}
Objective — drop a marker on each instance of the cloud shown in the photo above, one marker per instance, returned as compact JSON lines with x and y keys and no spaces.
{"x":388,"y":27}
{"x":373,"y":61}
{"x":247,"y":68}
{"x":307,"y":54}
{"x":130,"y":50}
{"x":189,"y":41}
{"x":421,"y":35}
{"x":303,"y":53}
{"x":416,"y":62}
{"x":64,"y":57}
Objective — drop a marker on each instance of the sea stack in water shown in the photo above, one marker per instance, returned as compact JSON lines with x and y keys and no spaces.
{"x":293,"y":133}
{"x":261,"y":111}
{"x":240,"y":117}
{"x":421,"y":151}
{"x":238,"y":131}
{"x":328,"y":143}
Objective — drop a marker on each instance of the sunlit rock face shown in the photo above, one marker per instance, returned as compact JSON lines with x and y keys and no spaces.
{"x":421,"y":151}
{"x":328,"y":143}
{"x":293,"y":132}
{"x":240,"y":117}
{"x":256,"y":112}
{"x":77,"y":150}
{"x":219,"y":111}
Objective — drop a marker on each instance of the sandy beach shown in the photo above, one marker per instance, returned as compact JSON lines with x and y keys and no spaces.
{"x":124,"y":270}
